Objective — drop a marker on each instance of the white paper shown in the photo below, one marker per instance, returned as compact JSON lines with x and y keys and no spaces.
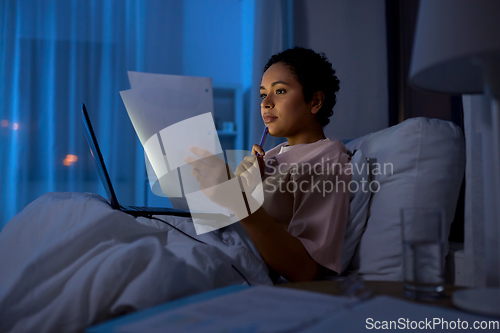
{"x":168,"y":185}
{"x":181,"y":108}
{"x":258,"y":309}
{"x":230,"y":192}
{"x":168,"y":99}
{"x":273,"y":309}
{"x":154,"y":156}
{"x":196,"y":131}
{"x":171,"y":114}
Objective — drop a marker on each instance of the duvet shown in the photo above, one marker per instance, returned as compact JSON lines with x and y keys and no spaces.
{"x":68,"y":261}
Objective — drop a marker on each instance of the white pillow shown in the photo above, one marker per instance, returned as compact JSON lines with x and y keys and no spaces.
{"x":428,"y":160}
{"x":358,"y":209}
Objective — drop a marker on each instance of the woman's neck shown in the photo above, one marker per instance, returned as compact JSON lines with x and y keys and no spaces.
{"x":306,"y":137}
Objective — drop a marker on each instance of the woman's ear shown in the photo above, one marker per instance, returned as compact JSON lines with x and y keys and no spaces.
{"x":317,"y":101}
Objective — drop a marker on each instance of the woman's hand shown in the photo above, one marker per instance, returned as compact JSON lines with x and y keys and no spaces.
{"x":210,"y":171}
{"x":256,"y":149}
{"x":251,"y":169}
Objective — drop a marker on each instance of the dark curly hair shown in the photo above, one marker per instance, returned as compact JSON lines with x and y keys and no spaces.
{"x":315,"y":73}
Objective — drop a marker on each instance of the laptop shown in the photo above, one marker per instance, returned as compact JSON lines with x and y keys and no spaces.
{"x":106,"y":182}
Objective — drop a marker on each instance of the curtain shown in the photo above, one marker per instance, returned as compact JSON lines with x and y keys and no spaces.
{"x":271,"y":35}
{"x":55,"y":55}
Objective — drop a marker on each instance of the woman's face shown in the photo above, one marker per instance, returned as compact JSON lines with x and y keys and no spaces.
{"x":283,"y":108}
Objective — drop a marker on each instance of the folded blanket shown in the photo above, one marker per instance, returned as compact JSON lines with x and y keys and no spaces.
{"x":68,"y":261}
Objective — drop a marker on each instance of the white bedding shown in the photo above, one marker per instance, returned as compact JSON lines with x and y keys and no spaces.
{"x":68,"y":261}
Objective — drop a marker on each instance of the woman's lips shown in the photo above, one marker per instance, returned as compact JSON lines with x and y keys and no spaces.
{"x":268,"y":119}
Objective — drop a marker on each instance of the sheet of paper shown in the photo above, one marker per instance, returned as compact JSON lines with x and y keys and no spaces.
{"x":196,"y":131}
{"x":164,"y":100}
{"x":198,"y":201}
{"x":163,"y":183}
{"x":170,"y":113}
{"x":257,"y":309}
{"x":271,"y":309}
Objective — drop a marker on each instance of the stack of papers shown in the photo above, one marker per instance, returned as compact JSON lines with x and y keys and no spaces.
{"x":175,"y":112}
{"x":171,"y":114}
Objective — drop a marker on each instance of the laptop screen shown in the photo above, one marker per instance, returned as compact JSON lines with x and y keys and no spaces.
{"x":96,"y":154}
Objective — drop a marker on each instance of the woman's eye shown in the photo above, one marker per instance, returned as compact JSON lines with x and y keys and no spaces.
{"x":280,"y":91}
{"x":262,"y":96}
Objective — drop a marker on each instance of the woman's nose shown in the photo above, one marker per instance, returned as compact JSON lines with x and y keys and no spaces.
{"x":267,"y":103}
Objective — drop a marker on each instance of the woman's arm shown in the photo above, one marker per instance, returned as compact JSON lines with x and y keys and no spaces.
{"x":283,"y":252}
{"x":280,"y":250}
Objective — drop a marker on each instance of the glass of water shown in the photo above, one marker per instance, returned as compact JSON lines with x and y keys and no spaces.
{"x":424,"y":240}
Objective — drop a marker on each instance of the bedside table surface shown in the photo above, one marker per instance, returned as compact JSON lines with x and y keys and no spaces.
{"x":377,"y":288}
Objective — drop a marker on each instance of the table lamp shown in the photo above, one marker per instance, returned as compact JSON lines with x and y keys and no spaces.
{"x":457,"y":51}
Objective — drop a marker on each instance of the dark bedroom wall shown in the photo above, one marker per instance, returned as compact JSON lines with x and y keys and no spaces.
{"x":406,"y":101}
{"x":352,"y":35}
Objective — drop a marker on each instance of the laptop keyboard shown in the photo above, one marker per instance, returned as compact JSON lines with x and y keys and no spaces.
{"x":148,"y":209}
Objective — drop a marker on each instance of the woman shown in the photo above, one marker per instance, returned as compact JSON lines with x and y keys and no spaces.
{"x":299,"y":228}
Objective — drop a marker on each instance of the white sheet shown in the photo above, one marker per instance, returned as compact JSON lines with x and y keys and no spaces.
{"x":68,"y":261}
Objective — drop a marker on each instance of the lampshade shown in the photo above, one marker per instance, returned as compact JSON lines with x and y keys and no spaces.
{"x":452,"y":39}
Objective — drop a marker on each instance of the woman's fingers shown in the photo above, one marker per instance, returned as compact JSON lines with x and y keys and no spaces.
{"x":246,"y":164}
{"x":250,"y":171}
{"x":198,"y":164}
{"x":256,"y":149}
{"x":205,"y":155}
{"x":196,"y":174}
{"x":200,"y":152}
{"x":243,"y":167}
{"x":208,"y":169}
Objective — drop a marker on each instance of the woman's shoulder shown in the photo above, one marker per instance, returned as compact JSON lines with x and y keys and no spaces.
{"x":333,"y":146}
{"x":333,"y":150}
{"x":325,"y":147}
{"x":275,"y":150}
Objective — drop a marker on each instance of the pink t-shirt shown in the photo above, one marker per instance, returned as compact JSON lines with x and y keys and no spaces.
{"x":306,"y":191}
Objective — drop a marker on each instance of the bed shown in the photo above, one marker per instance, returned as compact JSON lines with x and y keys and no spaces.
{"x":70,"y":261}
